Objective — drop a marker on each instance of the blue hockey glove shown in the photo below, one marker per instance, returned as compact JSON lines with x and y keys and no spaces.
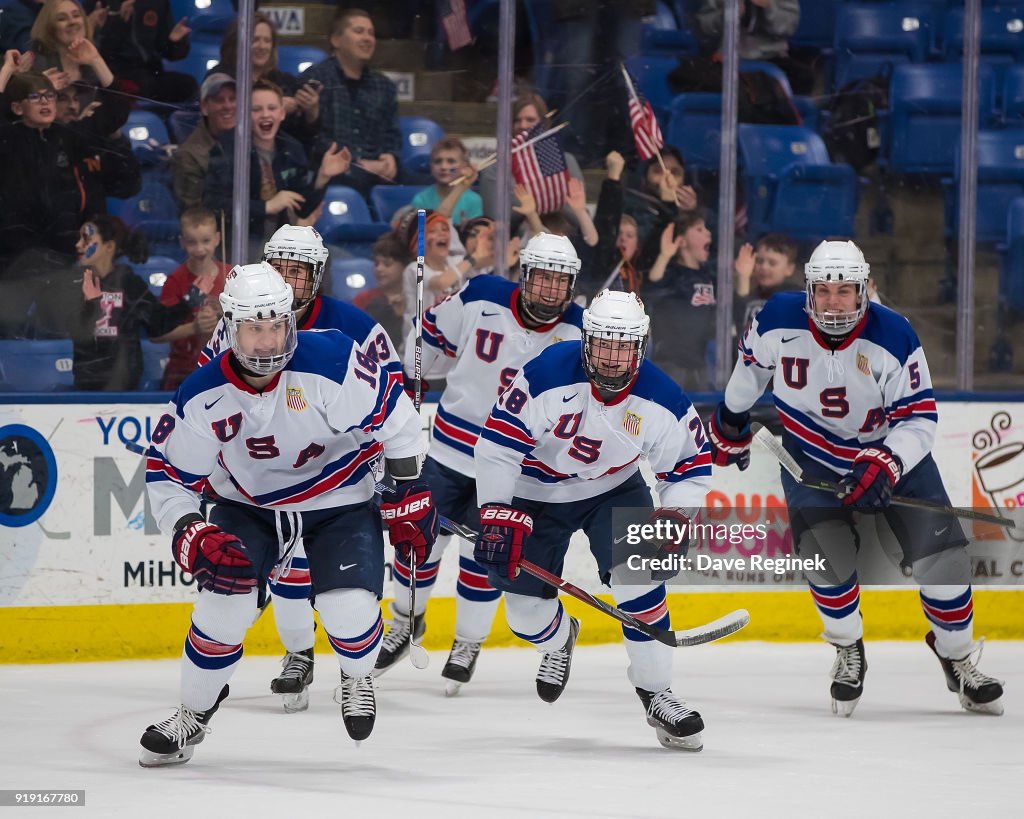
{"x":216,"y":559}
{"x":412,"y":519}
{"x":503,"y":530}
{"x":871,"y":481}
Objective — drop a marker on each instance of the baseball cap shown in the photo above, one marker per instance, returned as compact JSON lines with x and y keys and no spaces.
{"x":213,"y":84}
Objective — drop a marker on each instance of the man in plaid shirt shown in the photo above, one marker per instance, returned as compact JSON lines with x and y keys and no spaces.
{"x":358,"y":107}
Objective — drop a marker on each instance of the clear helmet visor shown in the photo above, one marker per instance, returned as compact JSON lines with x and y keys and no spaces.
{"x":263,"y":346}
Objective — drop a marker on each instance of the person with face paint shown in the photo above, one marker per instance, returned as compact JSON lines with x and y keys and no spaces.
{"x":43,"y":198}
{"x":116,"y":305}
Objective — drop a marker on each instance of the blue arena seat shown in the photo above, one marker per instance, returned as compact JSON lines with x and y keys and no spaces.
{"x":350,"y":276}
{"x":817,"y":24}
{"x":155,"y":270}
{"x":664,"y":34}
{"x":418,"y":136}
{"x":294,"y":59}
{"x":208,"y":16}
{"x":1002,"y":33}
{"x":695,"y":127}
{"x":154,"y":361}
{"x":346,"y":217}
{"x":871,"y":38}
{"x":791,"y":184}
{"x":153,"y":211}
{"x":148,"y":136}
{"x":925,"y":111}
{"x":1000,"y":164}
{"x":386,"y":199}
{"x":36,"y":366}
{"x":203,"y":54}
{"x":182,"y":123}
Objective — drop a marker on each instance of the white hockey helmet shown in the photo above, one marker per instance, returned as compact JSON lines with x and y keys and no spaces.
{"x":545,"y":301}
{"x":256,"y":294}
{"x":832,"y":262}
{"x":303,"y":244}
{"x":614,"y":316}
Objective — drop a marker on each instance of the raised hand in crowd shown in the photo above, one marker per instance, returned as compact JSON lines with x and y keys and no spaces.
{"x":207,"y":318}
{"x":84,"y":52}
{"x":283,"y":200}
{"x":98,"y":16}
{"x":527,"y":208}
{"x":577,"y":201}
{"x":616,"y":164}
{"x":335,"y":161}
{"x":127,"y":10}
{"x":686,"y":197}
{"x":307,"y":221}
{"x":180,"y":31}
{"x":667,"y":248}
{"x":14,"y":63}
{"x":59,"y":79}
{"x":744,"y":266}
{"x":90,"y":284}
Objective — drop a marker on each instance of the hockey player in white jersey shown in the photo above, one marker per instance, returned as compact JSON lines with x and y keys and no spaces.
{"x":490,"y":329}
{"x":560,"y":450}
{"x":284,"y":430}
{"x":853,"y":392}
{"x":298,"y":253}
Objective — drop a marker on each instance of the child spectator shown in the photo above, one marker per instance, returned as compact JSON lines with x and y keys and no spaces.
{"x":662,"y":196}
{"x":448,"y":161}
{"x":440,"y":276}
{"x":386,"y":301}
{"x":759,"y":278}
{"x":283,"y":189}
{"x":615,"y":260}
{"x":116,"y":305}
{"x":196,"y":282}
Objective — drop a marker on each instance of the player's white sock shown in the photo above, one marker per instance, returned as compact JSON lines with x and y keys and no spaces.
{"x":542,"y":622}
{"x":950,"y":612}
{"x":476,"y":600}
{"x":294,"y":621}
{"x":839,"y":607}
{"x":213,"y":645}
{"x":650,"y":662}
{"x":352,"y":620}
{"x":425,"y":577}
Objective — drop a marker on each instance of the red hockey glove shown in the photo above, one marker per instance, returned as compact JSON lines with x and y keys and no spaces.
{"x":667,"y":543}
{"x":216,"y":559}
{"x":729,"y":436}
{"x":870,"y":483}
{"x":503,"y":530}
{"x":412,"y":519}
{"x":409,"y":385}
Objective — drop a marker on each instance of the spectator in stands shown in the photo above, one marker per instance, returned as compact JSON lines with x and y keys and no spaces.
{"x":357,"y":107}
{"x":769,"y":271}
{"x":283,"y":188}
{"x":16,"y":20}
{"x":528,"y":110}
{"x":137,"y":40}
{"x":116,"y":304}
{"x":386,"y":301}
{"x":765,"y":29}
{"x":41,"y":197}
{"x":449,"y":161}
{"x":64,"y":48}
{"x":263,"y":56}
{"x":681,"y":296}
{"x":196,"y":282}
{"x":478,"y":238}
{"x":615,"y":260}
{"x":663,"y":194}
{"x":112,"y":169}
{"x":191,"y":161}
{"x":579,"y":228}
{"x":440,"y":276}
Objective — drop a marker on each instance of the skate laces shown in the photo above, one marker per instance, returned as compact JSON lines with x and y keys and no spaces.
{"x":398,"y":634}
{"x":295,"y":666}
{"x":846,"y":668}
{"x":356,"y":696}
{"x":664,"y":704}
{"x":552,"y":667}
{"x":463,"y":653}
{"x":967,"y":671}
{"x":181,"y":725}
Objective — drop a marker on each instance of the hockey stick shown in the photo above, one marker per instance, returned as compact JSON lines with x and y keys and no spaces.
{"x":765,"y":438}
{"x":417,"y":654}
{"x":715,"y":630}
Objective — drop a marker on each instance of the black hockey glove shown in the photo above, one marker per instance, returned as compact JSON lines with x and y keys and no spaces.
{"x":503,"y":530}
{"x":729,"y":436}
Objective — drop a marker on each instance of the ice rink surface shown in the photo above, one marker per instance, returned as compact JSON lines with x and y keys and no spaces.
{"x":771,"y":745}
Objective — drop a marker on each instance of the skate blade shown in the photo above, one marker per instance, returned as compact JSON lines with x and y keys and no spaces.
{"x":994,"y":708}
{"x":844,"y":708}
{"x":451,"y":688}
{"x":693,"y":743}
{"x":294,"y":703}
{"x":148,"y":759}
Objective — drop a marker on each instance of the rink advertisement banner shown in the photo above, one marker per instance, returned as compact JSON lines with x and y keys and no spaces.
{"x":76,"y":528}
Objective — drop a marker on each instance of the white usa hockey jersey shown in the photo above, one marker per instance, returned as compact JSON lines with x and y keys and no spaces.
{"x":325,"y":313}
{"x":550,"y":437}
{"x":480,"y":327}
{"x":873,"y":388}
{"x":311,"y":439}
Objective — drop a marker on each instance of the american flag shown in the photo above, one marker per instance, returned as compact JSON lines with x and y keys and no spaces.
{"x":541,"y":168}
{"x":294,"y":399}
{"x":456,"y":26}
{"x":646,"y":132}
{"x":631,"y":423}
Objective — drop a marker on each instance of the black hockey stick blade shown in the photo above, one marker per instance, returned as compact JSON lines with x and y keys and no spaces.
{"x":765,"y":438}
{"x":698,"y":635}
